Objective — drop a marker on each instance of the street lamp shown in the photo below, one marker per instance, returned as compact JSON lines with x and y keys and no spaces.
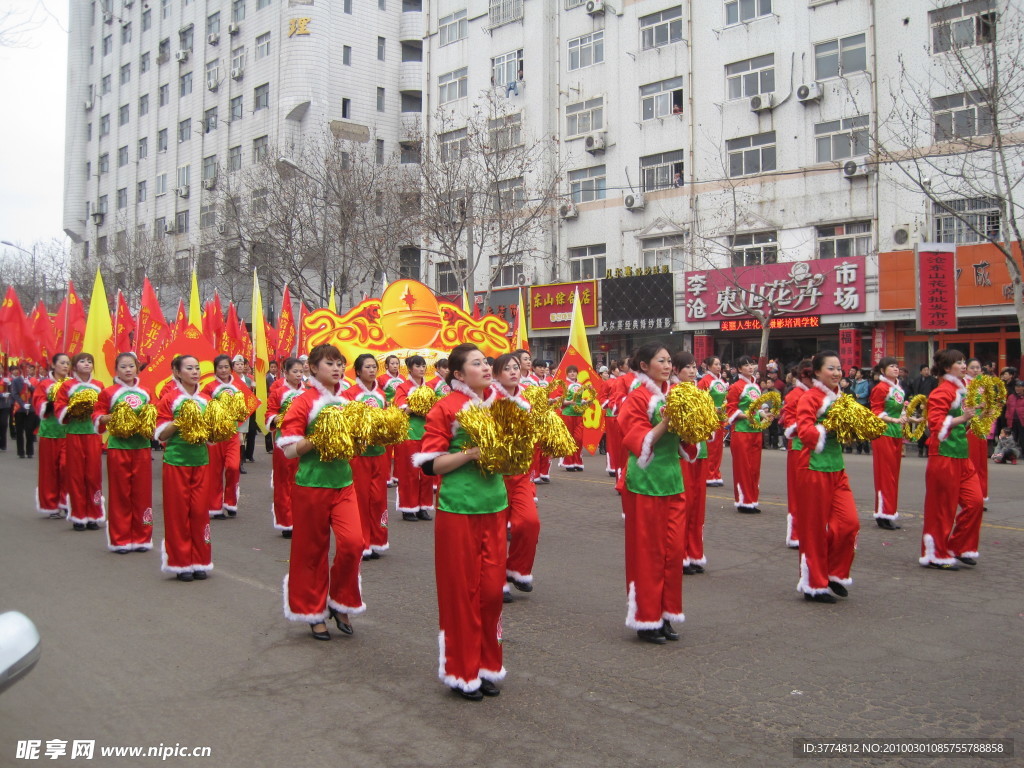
{"x":32,"y":256}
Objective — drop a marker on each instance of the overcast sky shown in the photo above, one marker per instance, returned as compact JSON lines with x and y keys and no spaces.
{"x":33,"y":80}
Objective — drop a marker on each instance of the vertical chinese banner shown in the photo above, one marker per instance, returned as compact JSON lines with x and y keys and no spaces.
{"x":703,"y":347}
{"x":935,"y":284}
{"x":849,"y":348}
{"x":877,"y":345}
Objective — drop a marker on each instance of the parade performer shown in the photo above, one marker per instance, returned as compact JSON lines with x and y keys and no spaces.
{"x":225,"y":455}
{"x":615,"y":395}
{"x":389,"y":382}
{"x":803,"y":379}
{"x":52,"y":483}
{"x":181,"y":427}
{"x":469,"y":535}
{"x":572,"y":397}
{"x":745,"y":443}
{"x":950,"y":478}
{"x":719,"y":391}
{"x":888,"y":401}
{"x":84,"y":447}
{"x":827,"y":523}
{"x":694,"y":462}
{"x":370,"y":469}
{"x":282,"y":478}
{"x":540,"y":470}
{"x":415,"y":490}
{"x":324,"y":502}
{"x":129,"y":457}
{"x":652,"y":502}
{"x":977,"y":447}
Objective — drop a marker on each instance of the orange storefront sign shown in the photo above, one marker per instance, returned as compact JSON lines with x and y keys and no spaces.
{"x":982,"y":278}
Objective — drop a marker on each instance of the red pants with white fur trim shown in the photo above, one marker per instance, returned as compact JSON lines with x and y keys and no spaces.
{"x":827,"y":528}
{"x":575,"y":426}
{"x":525,"y":524}
{"x":613,"y":443}
{"x":310,"y":586}
{"x":541,"y":466}
{"x":225,"y":469}
{"x":284,"y":470}
{"x":85,"y":478}
{"x":694,"y":480}
{"x":51,"y":493}
{"x":795,"y":461}
{"x":186,"y":544}
{"x":655,"y":530}
{"x":469,"y":564}
{"x":746,"y":467}
{"x":886,"y":456}
{"x":415,"y":489}
{"x":978,"y":451}
{"x":130,"y":484}
{"x":950,"y":483}
{"x":370,"y":479}
{"x":716,"y":448}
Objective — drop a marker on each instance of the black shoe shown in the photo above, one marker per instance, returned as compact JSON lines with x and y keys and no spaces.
{"x":410,"y":517}
{"x":199,"y":575}
{"x":944,"y":566}
{"x":343,"y":626}
{"x":375,"y":555}
{"x":220,"y":516}
{"x":748,"y":510}
{"x":667,"y":632}
{"x":824,"y":597}
{"x":838,"y":588}
{"x":187,"y":576}
{"x":545,"y":480}
{"x":423,"y":515}
{"x":78,"y":526}
{"x":689,"y":570}
{"x":610,"y":474}
{"x":92,"y":526}
{"x":697,"y":568}
{"x":522,"y":586}
{"x":476,"y":695}
{"x":967,"y":560}
{"x":487,"y":688}
{"x":286,"y":534}
{"x":121,"y":551}
{"x":242,"y":471}
{"x":506,"y":597}
{"x":231,"y":512}
{"x":651,"y":636}
{"x":250,"y":460}
{"x":887,"y":524}
{"x":322,"y":634}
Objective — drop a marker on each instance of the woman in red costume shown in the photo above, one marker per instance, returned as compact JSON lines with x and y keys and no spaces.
{"x":284,"y":390}
{"x":51,"y":488}
{"x":415,"y":490}
{"x":977,"y":447}
{"x":888,"y":401}
{"x":370,"y":470}
{"x":84,"y":448}
{"x":719,"y":390}
{"x":746,"y":439}
{"x":226,"y":456}
{"x":803,"y":379}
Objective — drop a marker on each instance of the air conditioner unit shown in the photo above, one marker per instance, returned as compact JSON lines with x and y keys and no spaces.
{"x":97,"y":218}
{"x":855,"y":168}
{"x":522,"y":279}
{"x":129,"y":3}
{"x":568,"y":210}
{"x":213,"y":38}
{"x":222,"y":228}
{"x":181,"y":56}
{"x":163,"y":58}
{"x":168,"y":229}
{"x":634,"y":201}
{"x":233,"y":29}
{"x":809,"y":92}
{"x":595,"y":7}
{"x":108,"y":17}
{"x":594,"y":142}
{"x":762,"y":102}
{"x":211,"y":84}
{"x":87,"y":104}
{"x":901,"y":235}
{"x":182,"y":191}
{"x":210,"y":183}
{"x":236,"y":73}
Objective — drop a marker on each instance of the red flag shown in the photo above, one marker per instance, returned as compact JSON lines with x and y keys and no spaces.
{"x":578,"y":354}
{"x":42,"y":331}
{"x":124,"y":324}
{"x":180,"y":321}
{"x":151,"y":327}
{"x":15,"y":332}
{"x":246,"y":350}
{"x":272,"y":340}
{"x":213,"y":321}
{"x":303,"y":348}
{"x":232,"y":340}
{"x":190,"y":341}
{"x":285,"y":326}
{"x":70,"y":325}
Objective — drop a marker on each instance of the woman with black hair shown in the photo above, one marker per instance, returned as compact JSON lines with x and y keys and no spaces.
{"x":225,"y":465}
{"x":415,"y":498}
{"x":713,"y":384}
{"x":803,"y":379}
{"x":572,"y":397}
{"x":279,"y":399}
{"x":745,"y":442}
{"x":977,"y":447}
{"x":52,"y":483}
{"x":694,"y":462}
{"x":84,"y":448}
{"x":889,"y":403}
{"x":371,"y":469}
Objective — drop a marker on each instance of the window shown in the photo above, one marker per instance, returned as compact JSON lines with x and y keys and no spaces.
{"x":841,"y":240}
{"x":754,"y":249}
{"x":505,"y":132}
{"x":409,"y":263}
{"x":122,"y":198}
{"x":237,"y":10}
{"x":88,"y":132}
{"x":840,"y":139}
{"x":750,"y":77}
{"x":185,"y":38}
{"x":663,"y":252}
{"x":126,"y":33}
{"x":263,"y":45}
{"x":163,"y":52}
{"x":261,"y":4}
{"x":212,"y":72}
{"x":101,"y":245}
{"x":835,"y":58}
{"x":662,"y":170}
{"x":88,"y":170}
{"x":963,"y":25}
{"x":121,"y":240}
{"x":661,"y":28}
{"x":164,"y":93}
{"x":184,"y":130}
{"x":181,"y":223}
{"x":123,"y":115}
{"x":506,"y":271}
{"x":210,"y":120}
{"x":661,"y":99}
{"x":586,"y":51}
{"x":382,"y":4}
{"x":104,"y":163}
{"x":101,"y":204}
{"x":145,"y":63}
{"x":454,"y":26}
{"x":587,"y":262}
{"x":143,"y":104}
{"x":453,"y":85}
{"x":122,"y":156}
{"x":165,"y":9}
{"x":587,"y":184}
{"x":961,"y":116}
{"x":453,"y":144}
{"x":504,"y":11}
{"x":161,"y":184}
{"x":409,"y":152}
{"x":142,"y":149}
{"x":509,"y":194}
{"x":108,"y":44}
{"x":104,"y":85}
{"x":261,"y":97}
{"x":182,"y":264}
{"x":751,"y":154}
{"x":380,"y":99}
{"x":125,"y":76}
{"x":235,"y":158}
{"x":447,"y":281}
{"x":236,"y":108}
{"x":92,"y":55}
{"x":161,"y":140}
{"x":104,"y":125}
{"x":238,"y":57}
{"x":207,"y":216}
{"x":147,"y":19}
{"x":260,"y":148}
{"x":346,"y":55}
{"x":209,"y":167}
{"x":159,"y":227}
{"x":346,"y":109}
{"x":382,"y":45}
{"x":585,"y":116}
{"x":379,"y":151}
{"x":507,"y":68}
{"x":213,"y":24}
{"x":967,"y":220}
{"x":746,"y":10}
{"x":184,"y":175}
{"x":140,"y":192}
{"x":347,"y":6}
{"x":185,"y":84}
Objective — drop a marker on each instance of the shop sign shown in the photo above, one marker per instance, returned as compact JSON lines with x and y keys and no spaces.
{"x":640,"y":302}
{"x":982,"y":278}
{"x":877,"y":345}
{"x":810,"y":321}
{"x":820,"y":286}
{"x":703,"y":347}
{"x":935,"y":279}
{"x":849,"y":348}
{"x":551,"y":305}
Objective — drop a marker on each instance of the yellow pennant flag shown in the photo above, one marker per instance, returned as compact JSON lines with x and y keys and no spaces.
{"x":195,"y":309}
{"x":578,"y":331}
{"x":465,"y":304}
{"x":261,"y":355}
{"x":99,"y":334}
{"x":331,"y":303}
{"x":520,"y":339}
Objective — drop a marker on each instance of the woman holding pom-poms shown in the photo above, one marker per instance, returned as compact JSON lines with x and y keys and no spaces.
{"x":889,"y":403}
{"x":977,"y":447}
{"x":694,"y":462}
{"x":415,"y":490}
{"x":73,"y":406}
{"x":712,"y":382}
{"x":803,"y":379}
{"x":125,"y":410}
{"x":572,"y":400}
{"x":279,"y":399}
{"x":745,"y":442}
{"x":181,"y":426}
{"x":225,"y":450}
{"x":324,"y":502}
{"x":372,"y":468}
{"x":827,"y":523}
{"x":51,"y":488}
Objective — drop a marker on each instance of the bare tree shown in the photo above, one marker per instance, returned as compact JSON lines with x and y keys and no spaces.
{"x":38,"y":272}
{"x":129,"y":256}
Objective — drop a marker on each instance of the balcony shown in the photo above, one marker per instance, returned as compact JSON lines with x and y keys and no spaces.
{"x":410,"y":76}
{"x":410,"y":26}
{"x":411,"y":126}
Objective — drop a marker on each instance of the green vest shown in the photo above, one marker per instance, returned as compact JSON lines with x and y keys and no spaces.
{"x":314,"y":473}
{"x":663,"y":476}
{"x":831,"y":458}
{"x":417,"y":426}
{"x":136,"y":400}
{"x":465,"y":491}
{"x":179,"y":453}
{"x":955,"y":444}
{"x":893,"y":407}
{"x":747,"y":397}
{"x":719,"y":392}
{"x":51,"y":428}
{"x":574,"y":394}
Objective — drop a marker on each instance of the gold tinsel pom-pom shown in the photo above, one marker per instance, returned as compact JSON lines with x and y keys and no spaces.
{"x":390,"y":426}
{"x":147,"y":421}
{"x":421,"y":400}
{"x":191,"y":423}
{"x":235,"y":404}
{"x":756,"y":417}
{"x":986,"y":394}
{"x":505,"y":435}
{"x":330,"y":436}
{"x":691,"y":414}
{"x":220,"y":420}
{"x":126,"y":422}
{"x":81,"y":403}
{"x":851,"y":422}
{"x":538,"y":398}
{"x":917,"y":408}
{"x":552,"y":434}
{"x":51,"y":392}
{"x":357,"y":420}
{"x":587,"y":398}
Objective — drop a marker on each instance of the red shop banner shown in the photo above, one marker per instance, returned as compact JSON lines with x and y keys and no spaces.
{"x":849,"y":348}
{"x":877,"y":345}
{"x":703,"y":347}
{"x":551,"y":305}
{"x":935,"y":281}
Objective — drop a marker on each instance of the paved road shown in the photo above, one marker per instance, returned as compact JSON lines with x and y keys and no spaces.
{"x":132,"y":657}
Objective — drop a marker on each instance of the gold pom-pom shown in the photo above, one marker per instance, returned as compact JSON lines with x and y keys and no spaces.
{"x":124,"y":422}
{"x":756,"y":417}
{"x":587,"y":398}
{"x":986,"y":394}
{"x":147,"y":421}
{"x":330,"y":436}
{"x":553,"y":436}
{"x":478,"y":424}
{"x":51,"y":392}
{"x":237,"y":406}
{"x":389,"y":426}
{"x":917,"y":408}
{"x":691,"y":414}
{"x":81,"y":403}
{"x":421,"y":400}
{"x":220,"y":420}
{"x":516,"y":437}
{"x":191,"y":423}
{"x":851,"y":422}
{"x":357,"y":421}
{"x":539,"y":399}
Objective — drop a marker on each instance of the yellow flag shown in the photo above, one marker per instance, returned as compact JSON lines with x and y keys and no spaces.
{"x":331,"y":303}
{"x":578,"y":331}
{"x":261,"y":363}
{"x":99,"y":334}
{"x":465,"y":304}
{"x":195,"y":309}
{"x":520,"y":338}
